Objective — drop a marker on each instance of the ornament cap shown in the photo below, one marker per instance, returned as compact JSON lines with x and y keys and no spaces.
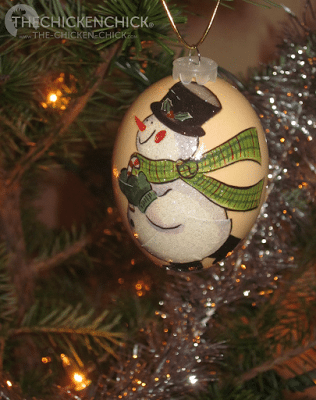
{"x":201,"y":68}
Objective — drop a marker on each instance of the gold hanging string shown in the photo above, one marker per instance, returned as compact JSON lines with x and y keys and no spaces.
{"x":187,"y":45}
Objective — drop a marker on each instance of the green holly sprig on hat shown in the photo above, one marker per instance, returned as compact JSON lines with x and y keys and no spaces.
{"x":180,"y":116}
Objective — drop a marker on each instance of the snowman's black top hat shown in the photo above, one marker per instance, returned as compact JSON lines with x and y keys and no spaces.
{"x":185,"y":108}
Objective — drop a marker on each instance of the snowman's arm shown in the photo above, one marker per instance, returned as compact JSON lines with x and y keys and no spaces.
{"x":168,"y":210}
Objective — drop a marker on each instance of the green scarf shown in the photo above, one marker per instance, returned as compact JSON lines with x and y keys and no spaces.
{"x":244,"y":146}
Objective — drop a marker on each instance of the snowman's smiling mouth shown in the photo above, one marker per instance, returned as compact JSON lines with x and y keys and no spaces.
{"x":146,"y":140}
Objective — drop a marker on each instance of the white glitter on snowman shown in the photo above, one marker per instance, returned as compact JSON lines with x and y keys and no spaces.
{"x":170,"y":213}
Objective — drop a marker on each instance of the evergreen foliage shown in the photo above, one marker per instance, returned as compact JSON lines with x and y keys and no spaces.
{"x":95,"y":82}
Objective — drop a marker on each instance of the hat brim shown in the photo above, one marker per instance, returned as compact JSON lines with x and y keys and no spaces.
{"x":174,"y":124}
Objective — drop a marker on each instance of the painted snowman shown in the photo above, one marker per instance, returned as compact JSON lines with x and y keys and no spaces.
{"x":176,"y":212}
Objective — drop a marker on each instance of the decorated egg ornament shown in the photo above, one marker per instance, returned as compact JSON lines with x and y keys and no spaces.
{"x":189,"y":171}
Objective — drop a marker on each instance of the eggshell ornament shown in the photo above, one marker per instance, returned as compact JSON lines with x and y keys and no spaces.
{"x":189,"y":172}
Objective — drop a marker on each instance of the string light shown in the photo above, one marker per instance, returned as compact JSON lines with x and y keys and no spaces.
{"x":78,"y":379}
{"x":53,"y":97}
{"x":142,"y":287}
{"x":193,"y":379}
{"x":59,"y":91}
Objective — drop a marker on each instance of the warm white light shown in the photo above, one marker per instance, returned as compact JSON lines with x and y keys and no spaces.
{"x":9,"y":383}
{"x":78,"y":377}
{"x":193,"y":379}
{"x":53,"y":98}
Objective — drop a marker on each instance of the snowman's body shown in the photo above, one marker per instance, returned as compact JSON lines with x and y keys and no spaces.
{"x":181,"y":225}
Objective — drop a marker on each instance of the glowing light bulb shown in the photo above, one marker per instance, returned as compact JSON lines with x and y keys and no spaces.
{"x":81,"y":382}
{"x":53,"y":97}
{"x":65,"y":360}
{"x":78,"y":377}
{"x":193,"y":379}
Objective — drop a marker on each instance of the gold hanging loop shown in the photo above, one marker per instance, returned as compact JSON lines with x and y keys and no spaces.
{"x":198,"y":54}
{"x":174,"y":27}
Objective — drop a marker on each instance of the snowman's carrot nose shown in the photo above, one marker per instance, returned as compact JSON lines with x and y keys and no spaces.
{"x":140,"y":124}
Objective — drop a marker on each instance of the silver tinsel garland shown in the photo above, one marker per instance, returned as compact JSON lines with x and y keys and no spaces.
{"x":172,"y":357}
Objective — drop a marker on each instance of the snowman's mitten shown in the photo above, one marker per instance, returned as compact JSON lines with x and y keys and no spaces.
{"x":147,"y":194}
{"x":137,"y":190}
{"x":124,"y":186}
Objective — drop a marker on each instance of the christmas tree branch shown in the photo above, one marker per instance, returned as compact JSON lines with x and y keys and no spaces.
{"x":60,"y":330}
{"x":57,"y":259}
{"x":68,"y":118}
{"x":77,"y":246}
{"x":102,"y":337}
{"x":17,"y":132}
{"x":12,"y":231}
{"x":2,"y":345}
{"x":267,"y":366}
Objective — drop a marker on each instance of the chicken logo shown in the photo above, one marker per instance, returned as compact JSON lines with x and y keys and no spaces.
{"x":28,"y":13}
